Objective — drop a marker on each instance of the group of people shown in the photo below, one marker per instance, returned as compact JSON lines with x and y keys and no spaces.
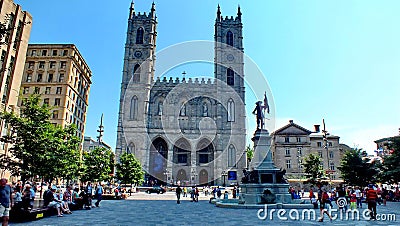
{"x":73,"y":198}
{"x":350,"y":197}
{"x":194,"y":193}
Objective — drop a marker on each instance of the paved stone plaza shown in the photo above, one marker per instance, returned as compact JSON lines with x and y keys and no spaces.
{"x":138,"y":211}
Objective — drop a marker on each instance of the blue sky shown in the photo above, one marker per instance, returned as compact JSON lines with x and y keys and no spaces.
{"x":338,"y":60}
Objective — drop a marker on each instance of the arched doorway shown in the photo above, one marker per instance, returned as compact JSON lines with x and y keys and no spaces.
{"x":203,"y":177}
{"x":182,"y":177}
{"x":158,"y":159}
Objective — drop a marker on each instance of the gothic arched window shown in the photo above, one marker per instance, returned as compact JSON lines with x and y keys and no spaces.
{"x":134,"y":108}
{"x":229,"y":38}
{"x":230,"y":77}
{"x":136,"y":73}
{"x":130,"y":149}
{"x":231,"y":156}
{"x":139,"y":35}
{"x":231,"y":110}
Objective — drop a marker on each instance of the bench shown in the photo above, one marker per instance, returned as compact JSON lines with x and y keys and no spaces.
{"x":21,"y":215}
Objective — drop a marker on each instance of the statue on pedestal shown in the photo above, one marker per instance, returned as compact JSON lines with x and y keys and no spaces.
{"x":259,"y":111}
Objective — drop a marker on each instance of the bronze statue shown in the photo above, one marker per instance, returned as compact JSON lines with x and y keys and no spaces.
{"x":259,"y":111}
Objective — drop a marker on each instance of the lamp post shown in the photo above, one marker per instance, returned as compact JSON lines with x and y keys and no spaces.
{"x":166,"y":173}
{"x":224,"y":174}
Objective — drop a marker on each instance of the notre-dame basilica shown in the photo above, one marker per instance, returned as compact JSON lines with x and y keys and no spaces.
{"x":191,"y":130}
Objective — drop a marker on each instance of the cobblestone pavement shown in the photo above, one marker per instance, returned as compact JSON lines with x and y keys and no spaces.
{"x":144,"y":209}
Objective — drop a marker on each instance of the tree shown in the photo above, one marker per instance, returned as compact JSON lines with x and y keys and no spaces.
{"x":313,"y":168}
{"x":356,"y":169}
{"x":390,"y":168}
{"x":37,"y":147}
{"x":98,"y":164}
{"x":129,"y":170}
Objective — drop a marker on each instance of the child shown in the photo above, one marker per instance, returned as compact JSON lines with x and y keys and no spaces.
{"x":353,"y":201}
{"x":314,"y":202}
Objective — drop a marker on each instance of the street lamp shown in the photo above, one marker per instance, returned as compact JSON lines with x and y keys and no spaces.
{"x":224,"y":174}
{"x":166,"y":173}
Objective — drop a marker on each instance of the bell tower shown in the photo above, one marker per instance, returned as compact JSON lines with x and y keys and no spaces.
{"x":137,"y":78}
{"x":228,"y":59}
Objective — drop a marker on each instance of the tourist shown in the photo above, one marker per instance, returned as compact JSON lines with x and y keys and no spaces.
{"x":178,"y":192}
{"x":219,"y":193}
{"x":6,"y":201}
{"x":28,"y":197}
{"x":385,"y":195}
{"x":67,"y":196}
{"x":234,"y":192}
{"x":98,"y":194}
{"x":64,"y":205}
{"x":51,"y":201}
{"x":226,"y":195}
{"x":371,"y":200}
{"x":359,"y":196}
{"x":324,"y":198}
{"x":89,"y":193}
{"x":76,"y":199}
{"x":353,"y":201}
{"x":196,"y":194}
{"x":184,"y":192}
{"x":17,"y":198}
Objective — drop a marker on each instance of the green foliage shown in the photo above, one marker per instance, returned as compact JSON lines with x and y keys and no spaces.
{"x":249,"y":153}
{"x":356,"y":170}
{"x":313,"y":168}
{"x":98,"y":165}
{"x":129,"y":170}
{"x":390,"y":168}
{"x":37,"y":147}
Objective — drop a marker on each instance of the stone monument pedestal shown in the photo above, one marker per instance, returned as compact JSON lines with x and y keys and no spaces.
{"x":264,"y":180}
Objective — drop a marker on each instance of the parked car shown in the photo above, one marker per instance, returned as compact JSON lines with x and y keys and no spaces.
{"x":156,"y":189}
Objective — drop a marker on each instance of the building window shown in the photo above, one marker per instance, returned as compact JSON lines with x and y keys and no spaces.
{"x":55,"y":114}
{"x":55,"y":52}
{"x":29,"y":78}
{"x":136,"y":73}
{"x":182,"y":158}
{"x":139,"y":35}
{"x":31,"y":64}
{"x":230,"y":77}
{"x":231,"y":111}
{"x":203,"y":158}
{"x":39,"y":78}
{"x":33,"y":53}
{"x":134,"y":108}
{"x":300,"y":163}
{"x":61,"y":78}
{"x":299,"y":151}
{"x":37,"y":90}
{"x":330,"y":144}
{"x":231,"y":156}
{"x":229,"y":38}
{"x":288,"y":164}
{"x":319,"y":144}
{"x":63,"y":64}
{"x":44,"y":52}
{"x":160,"y":108}
{"x":47,"y":91}
{"x":52,"y":64}
{"x":25,"y":90}
{"x":41,"y":64}
{"x":331,"y":155}
{"x":287,"y":152}
{"x":332,"y":165}
{"x":46,"y":101}
{"x":50,"y":78}
{"x":298,"y":139}
{"x":286,"y":139}
{"x":57,"y":102}
{"x":65,"y":52}
{"x":58,"y":90}
{"x":320,"y":154}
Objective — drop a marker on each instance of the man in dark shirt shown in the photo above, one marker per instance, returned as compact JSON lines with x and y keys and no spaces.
{"x":5,"y":201}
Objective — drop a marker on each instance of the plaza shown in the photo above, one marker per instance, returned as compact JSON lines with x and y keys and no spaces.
{"x":153,"y":209}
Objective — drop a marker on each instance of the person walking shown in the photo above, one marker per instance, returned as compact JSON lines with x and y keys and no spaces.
{"x":99,"y":194}
{"x":322,"y":207}
{"x":5,"y":201}
{"x":371,"y":200}
{"x":178,"y":192}
{"x":359,"y":196}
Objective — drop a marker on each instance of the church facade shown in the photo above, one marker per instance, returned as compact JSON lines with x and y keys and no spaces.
{"x":191,"y":130}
